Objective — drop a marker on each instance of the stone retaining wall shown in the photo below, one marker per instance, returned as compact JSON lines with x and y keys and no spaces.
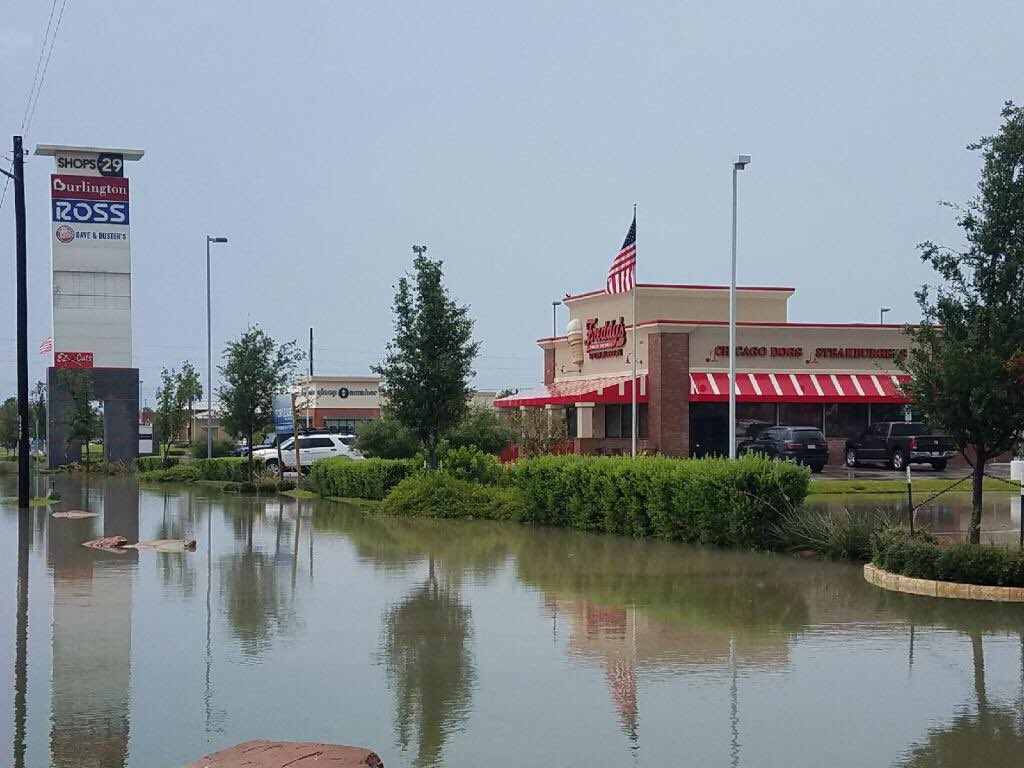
{"x":930,"y":588}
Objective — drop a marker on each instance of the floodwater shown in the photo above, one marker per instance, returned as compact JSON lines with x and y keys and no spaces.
{"x":475,"y":644}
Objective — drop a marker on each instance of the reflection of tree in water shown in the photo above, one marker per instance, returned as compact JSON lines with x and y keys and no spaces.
{"x":429,"y":663}
{"x":259,"y":604}
{"x":992,"y":735}
{"x":177,"y":568}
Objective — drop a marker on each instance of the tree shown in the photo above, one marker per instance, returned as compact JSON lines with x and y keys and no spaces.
{"x":537,"y":431}
{"x":386,"y":438}
{"x":428,"y":365}
{"x":37,"y":411}
{"x":9,"y":423}
{"x":190,"y":390}
{"x":82,"y":418}
{"x":967,"y":356}
{"x":170,"y":408}
{"x":483,"y":428}
{"x":255,"y":369}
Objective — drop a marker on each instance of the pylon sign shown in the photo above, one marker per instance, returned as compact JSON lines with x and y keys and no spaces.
{"x":90,"y":254}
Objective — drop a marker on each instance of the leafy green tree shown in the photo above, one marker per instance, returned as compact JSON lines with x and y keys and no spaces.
{"x":83,"y":419}
{"x":190,"y":390}
{"x":37,"y":411}
{"x":967,"y":356}
{"x":536,"y":431}
{"x":483,"y":428}
{"x":9,"y":423}
{"x":170,"y":408}
{"x":386,"y":438}
{"x":429,"y":362}
{"x":255,"y":369}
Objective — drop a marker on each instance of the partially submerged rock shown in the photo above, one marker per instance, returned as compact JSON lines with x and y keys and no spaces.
{"x":108,"y":544}
{"x":120,"y":544}
{"x":261,"y":753}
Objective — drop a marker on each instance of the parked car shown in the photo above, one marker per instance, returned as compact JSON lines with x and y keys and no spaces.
{"x":804,"y":445}
{"x":312,"y":447}
{"x":899,"y":443}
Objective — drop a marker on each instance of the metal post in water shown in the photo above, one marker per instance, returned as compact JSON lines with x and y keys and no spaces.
{"x":910,"y":502}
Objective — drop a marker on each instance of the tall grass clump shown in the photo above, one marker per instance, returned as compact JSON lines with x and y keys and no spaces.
{"x":836,"y":534}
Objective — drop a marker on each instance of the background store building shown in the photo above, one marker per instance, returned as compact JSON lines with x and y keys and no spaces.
{"x":837,"y":377}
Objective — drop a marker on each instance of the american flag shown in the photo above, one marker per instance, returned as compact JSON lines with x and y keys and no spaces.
{"x":46,"y":346}
{"x":622,"y":275}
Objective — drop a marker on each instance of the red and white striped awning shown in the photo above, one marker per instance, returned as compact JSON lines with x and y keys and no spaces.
{"x":800,"y":387}
{"x":614,"y":389}
{"x":712,"y":387}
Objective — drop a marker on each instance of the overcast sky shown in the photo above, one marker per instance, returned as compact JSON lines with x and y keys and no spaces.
{"x":325,"y":138}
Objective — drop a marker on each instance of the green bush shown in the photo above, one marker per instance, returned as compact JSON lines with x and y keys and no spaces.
{"x":708,"y":501}
{"x":366,"y":479}
{"x":386,"y":438}
{"x":148,"y":463}
{"x":231,"y":468}
{"x":921,"y":557}
{"x":438,"y":494}
{"x":481,"y":428}
{"x":221,"y":448}
{"x":181,"y":473}
{"x":470,"y":463}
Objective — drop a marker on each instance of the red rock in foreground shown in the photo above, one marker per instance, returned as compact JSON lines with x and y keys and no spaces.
{"x":261,"y":753}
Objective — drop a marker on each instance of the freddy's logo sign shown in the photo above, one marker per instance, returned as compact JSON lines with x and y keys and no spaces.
{"x":606,"y":340}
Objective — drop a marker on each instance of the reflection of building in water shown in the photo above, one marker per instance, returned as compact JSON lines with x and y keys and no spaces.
{"x":626,"y":640}
{"x":91,"y":630}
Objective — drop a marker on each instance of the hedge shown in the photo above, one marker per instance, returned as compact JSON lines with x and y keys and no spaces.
{"x":919,"y":556}
{"x":438,"y":494}
{"x":231,"y":468}
{"x":367,"y":479}
{"x":707,"y":501}
{"x":149,"y":463}
{"x":181,"y":473}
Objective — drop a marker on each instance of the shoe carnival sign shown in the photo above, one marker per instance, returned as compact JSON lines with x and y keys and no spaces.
{"x":608,"y":340}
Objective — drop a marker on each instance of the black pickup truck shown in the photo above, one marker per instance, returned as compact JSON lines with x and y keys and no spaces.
{"x":898,"y":443}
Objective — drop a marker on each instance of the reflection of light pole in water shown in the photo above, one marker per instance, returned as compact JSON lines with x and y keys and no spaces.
{"x":209,"y":574}
{"x":21,"y":641}
{"x":734,"y":717}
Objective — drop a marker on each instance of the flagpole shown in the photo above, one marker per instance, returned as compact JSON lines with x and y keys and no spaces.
{"x":634,"y":384}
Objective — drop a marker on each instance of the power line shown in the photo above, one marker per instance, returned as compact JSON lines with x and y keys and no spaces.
{"x":39,"y":64}
{"x":46,"y":65}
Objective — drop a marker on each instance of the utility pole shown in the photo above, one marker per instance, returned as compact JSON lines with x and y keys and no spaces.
{"x":311,"y":353}
{"x":21,"y":260}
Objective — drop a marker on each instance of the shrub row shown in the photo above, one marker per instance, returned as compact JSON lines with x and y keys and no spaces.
{"x":367,"y":479}
{"x":708,"y":501}
{"x":149,"y":463}
{"x":180,"y":473}
{"x":439,"y":494}
{"x":919,"y":556}
{"x":231,"y":468}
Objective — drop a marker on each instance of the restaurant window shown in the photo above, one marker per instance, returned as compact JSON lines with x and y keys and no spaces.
{"x":571,"y":424}
{"x":800,"y":414}
{"x":618,"y":420}
{"x":343,"y":426}
{"x":886,"y":412}
{"x":845,"y":420}
{"x":751,"y":418}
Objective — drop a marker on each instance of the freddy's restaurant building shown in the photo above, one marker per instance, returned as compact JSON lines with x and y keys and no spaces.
{"x":838,"y":377}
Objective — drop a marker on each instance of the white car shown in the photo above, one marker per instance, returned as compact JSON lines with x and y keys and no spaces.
{"x":311,"y":448}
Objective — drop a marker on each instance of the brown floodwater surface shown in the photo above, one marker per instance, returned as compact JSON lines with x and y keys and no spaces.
{"x":468,"y":643}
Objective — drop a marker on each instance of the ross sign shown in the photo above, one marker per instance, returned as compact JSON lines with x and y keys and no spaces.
{"x":282,"y":405}
{"x":608,"y":340}
{"x":72,"y":360}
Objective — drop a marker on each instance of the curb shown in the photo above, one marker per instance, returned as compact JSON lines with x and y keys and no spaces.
{"x":930,"y":588}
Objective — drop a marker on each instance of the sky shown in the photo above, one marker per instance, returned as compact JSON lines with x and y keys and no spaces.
{"x":324,"y":138}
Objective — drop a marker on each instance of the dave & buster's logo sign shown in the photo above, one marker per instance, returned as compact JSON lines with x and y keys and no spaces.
{"x":606,"y":340}
{"x":88,"y":200}
{"x":72,"y":360}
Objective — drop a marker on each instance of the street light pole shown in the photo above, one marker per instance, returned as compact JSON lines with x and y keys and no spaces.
{"x":881,"y":314}
{"x":554,"y":318}
{"x":739,"y":165}
{"x":209,"y":351}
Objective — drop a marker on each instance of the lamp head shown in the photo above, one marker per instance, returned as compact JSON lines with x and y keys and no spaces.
{"x":741,"y":162}
{"x":216,"y":239}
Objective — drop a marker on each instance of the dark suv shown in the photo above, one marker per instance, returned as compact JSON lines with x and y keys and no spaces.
{"x":804,"y":445}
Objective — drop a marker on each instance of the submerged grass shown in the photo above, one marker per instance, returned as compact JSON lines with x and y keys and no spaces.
{"x":835,"y":534}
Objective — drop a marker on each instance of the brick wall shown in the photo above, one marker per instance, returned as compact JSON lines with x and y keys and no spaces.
{"x":549,"y":366}
{"x":668,"y":393}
